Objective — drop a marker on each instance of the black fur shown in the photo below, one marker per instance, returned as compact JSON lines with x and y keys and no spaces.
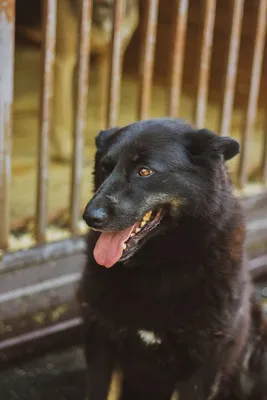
{"x":186,"y":280}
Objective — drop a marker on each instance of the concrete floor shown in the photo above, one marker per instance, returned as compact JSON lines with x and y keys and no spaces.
{"x":27,"y":78}
{"x":55,"y":376}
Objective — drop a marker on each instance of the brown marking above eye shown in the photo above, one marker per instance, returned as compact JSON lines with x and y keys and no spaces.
{"x":144,"y":172}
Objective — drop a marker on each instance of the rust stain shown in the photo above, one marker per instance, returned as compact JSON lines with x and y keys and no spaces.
{"x":39,"y":318}
{"x":58,"y":312}
{"x":7,"y":8}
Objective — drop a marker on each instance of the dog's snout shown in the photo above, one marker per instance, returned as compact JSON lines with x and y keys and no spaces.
{"x":95,"y":217}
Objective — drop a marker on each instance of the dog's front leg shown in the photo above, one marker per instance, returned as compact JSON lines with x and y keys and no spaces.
{"x":103,"y":378}
{"x":100,"y":384}
{"x":66,"y":59}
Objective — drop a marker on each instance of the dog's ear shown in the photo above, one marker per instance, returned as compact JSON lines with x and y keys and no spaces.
{"x":104,"y":137}
{"x":205,"y":141}
{"x":103,"y":142}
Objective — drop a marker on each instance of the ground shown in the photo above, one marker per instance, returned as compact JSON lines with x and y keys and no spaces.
{"x":58,"y":375}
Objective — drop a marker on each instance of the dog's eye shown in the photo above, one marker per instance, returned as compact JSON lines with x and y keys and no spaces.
{"x":145,"y":172}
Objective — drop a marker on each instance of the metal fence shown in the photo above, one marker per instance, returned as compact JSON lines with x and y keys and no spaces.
{"x":57,"y":258}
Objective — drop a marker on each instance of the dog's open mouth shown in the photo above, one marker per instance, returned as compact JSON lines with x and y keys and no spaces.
{"x":112,"y":247}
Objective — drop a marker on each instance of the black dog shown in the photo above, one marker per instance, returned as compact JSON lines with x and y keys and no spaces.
{"x":175,"y":313}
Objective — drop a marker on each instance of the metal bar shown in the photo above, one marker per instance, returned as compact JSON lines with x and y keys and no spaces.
{"x":231,"y":69}
{"x":115,"y":65}
{"x":82,"y":90}
{"x":29,"y":337}
{"x":42,"y":254}
{"x":7,"y":17}
{"x":48,"y":59}
{"x":177,"y":57}
{"x":251,"y":110}
{"x":204,"y":65}
{"x":264,"y":155}
{"x":147,"y":57}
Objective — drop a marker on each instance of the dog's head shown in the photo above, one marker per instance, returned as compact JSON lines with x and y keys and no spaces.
{"x":149,"y":173}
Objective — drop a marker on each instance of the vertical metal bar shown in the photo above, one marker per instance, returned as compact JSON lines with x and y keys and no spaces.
{"x":48,"y":58}
{"x":231,"y":69}
{"x":264,"y":155}
{"x":204,"y":65}
{"x":147,"y":56}
{"x":177,"y":57}
{"x":7,"y":17}
{"x":253,"y":92}
{"x":115,"y":65}
{"x":82,"y":90}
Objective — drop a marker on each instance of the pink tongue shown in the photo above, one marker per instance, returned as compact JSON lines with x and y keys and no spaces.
{"x":109,"y":247}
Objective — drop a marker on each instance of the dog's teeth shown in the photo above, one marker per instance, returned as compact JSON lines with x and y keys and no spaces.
{"x":132,"y":234}
{"x":124,"y":246}
{"x":143,"y":223}
{"x":147,"y":216}
{"x":137,"y":230}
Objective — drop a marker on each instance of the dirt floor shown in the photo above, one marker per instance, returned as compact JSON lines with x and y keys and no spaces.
{"x":27,"y":84}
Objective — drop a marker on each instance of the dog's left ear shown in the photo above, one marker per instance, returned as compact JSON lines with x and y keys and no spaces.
{"x":205,"y":141}
{"x":227,"y":146}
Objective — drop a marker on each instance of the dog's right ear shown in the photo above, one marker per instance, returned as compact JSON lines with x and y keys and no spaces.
{"x":103,"y":142}
{"x":104,"y":137}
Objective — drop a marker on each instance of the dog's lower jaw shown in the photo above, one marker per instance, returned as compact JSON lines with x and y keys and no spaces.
{"x":148,"y":224}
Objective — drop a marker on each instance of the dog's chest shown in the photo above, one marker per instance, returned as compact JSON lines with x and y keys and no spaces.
{"x":149,"y":338}
{"x":130,"y":300}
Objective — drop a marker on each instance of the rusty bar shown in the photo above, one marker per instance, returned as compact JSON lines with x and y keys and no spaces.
{"x":177,"y":57}
{"x":147,"y":56}
{"x":264,"y":155}
{"x":231,"y":69}
{"x":30,"y":337}
{"x":80,"y":120}
{"x":7,"y":17}
{"x":115,"y":65}
{"x":48,"y":58}
{"x":253,"y":93}
{"x":204,"y":65}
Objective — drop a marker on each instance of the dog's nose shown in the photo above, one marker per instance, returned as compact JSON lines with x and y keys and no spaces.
{"x":95,"y":217}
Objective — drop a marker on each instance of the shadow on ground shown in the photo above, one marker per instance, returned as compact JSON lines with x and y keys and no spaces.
{"x":57,"y":376}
